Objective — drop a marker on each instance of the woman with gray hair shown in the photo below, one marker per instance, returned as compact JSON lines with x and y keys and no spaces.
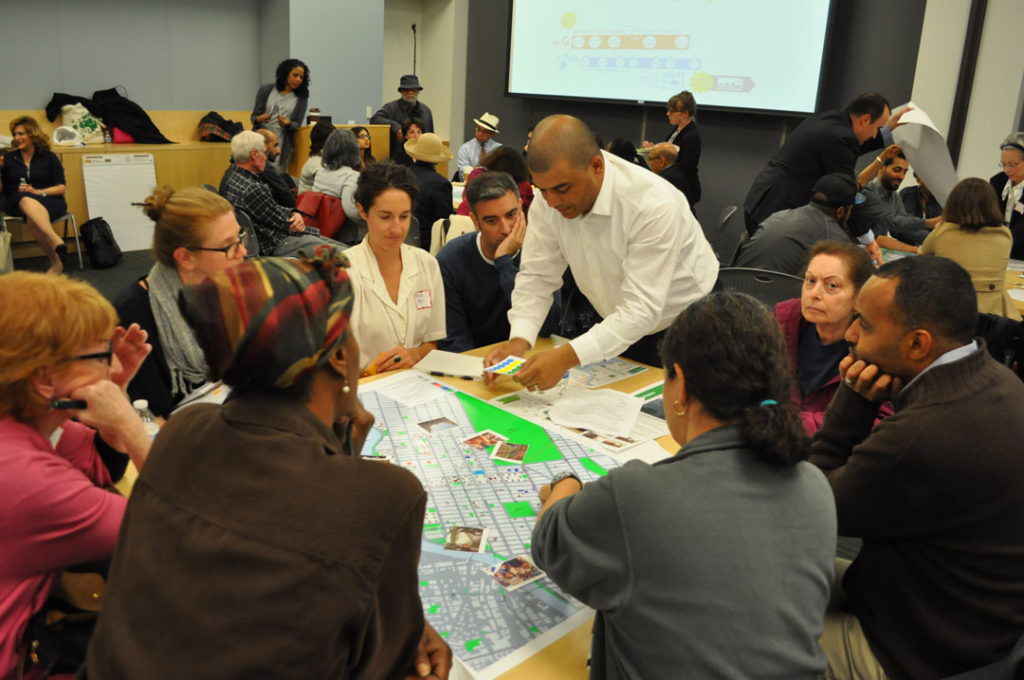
{"x":338,"y":176}
{"x":1009,"y":186}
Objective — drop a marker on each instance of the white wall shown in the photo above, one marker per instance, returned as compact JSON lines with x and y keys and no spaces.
{"x":341,"y":42}
{"x":168,"y":54}
{"x":274,"y":37}
{"x":993,"y":109}
{"x":399,"y":16}
{"x":441,"y":28}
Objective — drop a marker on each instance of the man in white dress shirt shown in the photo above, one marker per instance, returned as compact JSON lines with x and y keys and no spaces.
{"x":633,"y":245}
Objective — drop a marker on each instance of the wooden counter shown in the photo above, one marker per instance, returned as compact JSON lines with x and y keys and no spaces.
{"x":380,"y":146}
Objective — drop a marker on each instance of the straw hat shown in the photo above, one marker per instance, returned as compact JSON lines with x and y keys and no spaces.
{"x":488,"y":121}
{"x":428,"y":147}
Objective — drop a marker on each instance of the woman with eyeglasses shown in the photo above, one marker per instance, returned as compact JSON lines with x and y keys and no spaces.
{"x":195,"y":235}
{"x":365,"y":146}
{"x":1009,"y":186}
{"x":65,"y":427}
{"x":680,"y":112}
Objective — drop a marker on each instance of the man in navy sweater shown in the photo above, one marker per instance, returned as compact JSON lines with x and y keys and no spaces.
{"x":479,"y":268}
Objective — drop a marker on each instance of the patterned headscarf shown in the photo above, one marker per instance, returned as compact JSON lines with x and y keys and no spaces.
{"x":267,"y":322}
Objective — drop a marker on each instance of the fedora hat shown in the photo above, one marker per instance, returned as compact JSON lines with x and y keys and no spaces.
{"x":488,"y":121}
{"x":428,"y":147}
{"x":409,"y":82}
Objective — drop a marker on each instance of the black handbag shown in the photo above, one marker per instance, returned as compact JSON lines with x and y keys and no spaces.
{"x":99,"y":242}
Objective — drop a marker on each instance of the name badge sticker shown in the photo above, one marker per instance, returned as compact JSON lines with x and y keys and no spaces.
{"x":423,"y":299}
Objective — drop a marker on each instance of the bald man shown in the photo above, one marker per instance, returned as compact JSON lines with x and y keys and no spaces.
{"x":662,"y":160}
{"x":281,"y":186}
{"x":633,"y":245}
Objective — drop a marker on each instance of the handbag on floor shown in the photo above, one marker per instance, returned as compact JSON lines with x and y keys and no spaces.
{"x":99,"y":242}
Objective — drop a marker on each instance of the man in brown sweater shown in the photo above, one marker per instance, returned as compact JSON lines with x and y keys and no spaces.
{"x":935,"y":490}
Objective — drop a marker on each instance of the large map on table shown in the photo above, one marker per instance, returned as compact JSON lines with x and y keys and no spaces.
{"x":421,"y":425}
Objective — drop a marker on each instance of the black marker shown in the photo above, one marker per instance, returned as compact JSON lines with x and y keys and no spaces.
{"x":61,"y":404}
{"x":441,"y":374}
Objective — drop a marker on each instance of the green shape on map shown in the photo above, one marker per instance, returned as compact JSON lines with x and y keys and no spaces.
{"x":431,"y":527}
{"x":434,"y":608}
{"x":516,"y":509}
{"x":443,"y":633}
{"x":424,"y":583}
{"x":592,"y":466}
{"x":486,"y":416}
{"x":651,"y":392}
{"x":473,"y":644}
{"x":534,"y":629}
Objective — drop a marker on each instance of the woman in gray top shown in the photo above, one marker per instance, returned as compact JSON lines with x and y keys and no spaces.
{"x":281,"y":105}
{"x":716,"y":562}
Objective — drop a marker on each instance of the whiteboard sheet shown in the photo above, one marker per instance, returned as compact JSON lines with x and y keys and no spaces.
{"x":112,"y":183}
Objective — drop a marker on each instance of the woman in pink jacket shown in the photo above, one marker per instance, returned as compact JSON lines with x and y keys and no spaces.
{"x":815,"y":324}
{"x":62,"y":356}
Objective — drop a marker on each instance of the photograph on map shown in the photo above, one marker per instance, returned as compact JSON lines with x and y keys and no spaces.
{"x":510,"y":453}
{"x":515,"y":573}
{"x":379,"y":457}
{"x":437,"y":424}
{"x":484,"y":440}
{"x":466,"y":539}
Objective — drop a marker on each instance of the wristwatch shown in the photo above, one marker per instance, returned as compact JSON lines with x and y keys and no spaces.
{"x":563,"y":476}
{"x":43,"y":193}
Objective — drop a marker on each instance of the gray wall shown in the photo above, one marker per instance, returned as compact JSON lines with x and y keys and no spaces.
{"x":168,"y":54}
{"x":874,"y":45}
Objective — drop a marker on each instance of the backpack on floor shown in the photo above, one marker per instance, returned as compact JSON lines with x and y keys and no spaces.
{"x":99,"y":242}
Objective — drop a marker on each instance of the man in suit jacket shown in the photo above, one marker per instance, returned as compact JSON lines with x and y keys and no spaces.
{"x":1009,"y":186}
{"x":662,"y":160}
{"x":825,"y":143}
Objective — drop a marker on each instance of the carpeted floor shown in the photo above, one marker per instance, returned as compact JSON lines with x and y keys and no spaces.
{"x":110,"y":282}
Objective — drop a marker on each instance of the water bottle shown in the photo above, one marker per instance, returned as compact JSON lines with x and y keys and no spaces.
{"x":141,"y":407}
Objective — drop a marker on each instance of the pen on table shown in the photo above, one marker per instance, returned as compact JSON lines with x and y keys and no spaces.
{"x":442,"y":374}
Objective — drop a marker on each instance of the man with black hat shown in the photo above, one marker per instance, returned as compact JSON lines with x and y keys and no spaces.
{"x":785,"y":238}
{"x":396,"y":112}
{"x":471,"y":154}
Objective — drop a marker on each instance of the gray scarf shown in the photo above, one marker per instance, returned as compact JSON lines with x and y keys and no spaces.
{"x":182,"y":353}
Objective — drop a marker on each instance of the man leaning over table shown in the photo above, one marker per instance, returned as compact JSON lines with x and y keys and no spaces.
{"x":633,"y":245}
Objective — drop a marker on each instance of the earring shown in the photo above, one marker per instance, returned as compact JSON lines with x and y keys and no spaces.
{"x":675,"y":405}
{"x":346,"y":389}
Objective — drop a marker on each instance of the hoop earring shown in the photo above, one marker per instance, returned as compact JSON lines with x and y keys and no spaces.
{"x":675,"y":405}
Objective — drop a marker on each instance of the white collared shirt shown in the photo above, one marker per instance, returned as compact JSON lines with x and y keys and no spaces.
{"x":1013,"y":193}
{"x":947,"y":358}
{"x":639,"y":256}
{"x":379,"y":323}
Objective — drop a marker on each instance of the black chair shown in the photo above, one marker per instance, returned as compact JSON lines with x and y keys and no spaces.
{"x":730,"y":234}
{"x":210,"y":187}
{"x":1004,"y":339}
{"x":769,"y":287}
{"x":713,"y":229}
{"x":252,"y":244}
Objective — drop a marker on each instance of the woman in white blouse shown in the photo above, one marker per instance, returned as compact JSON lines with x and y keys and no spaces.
{"x":399,"y":306}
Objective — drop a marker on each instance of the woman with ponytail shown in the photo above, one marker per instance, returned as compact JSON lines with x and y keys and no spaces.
{"x":716,"y":561}
{"x":195,"y":235}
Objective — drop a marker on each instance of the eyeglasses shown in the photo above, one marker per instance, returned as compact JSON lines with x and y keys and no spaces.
{"x":1011,"y":166}
{"x":363,"y":135}
{"x":103,"y":356}
{"x":230,"y":251}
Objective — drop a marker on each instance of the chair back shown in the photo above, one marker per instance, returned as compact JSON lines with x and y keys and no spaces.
{"x":447,"y":228}
{"x":253,"y":243}
{"x":730,"y":233}
{"x":210,"y":187}
{"x":322,"y":211}
{"x":1004,"y":339}
{"x":769,"y":287}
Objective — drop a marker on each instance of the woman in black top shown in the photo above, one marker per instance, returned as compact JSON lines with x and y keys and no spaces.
{"x":32,"y":179}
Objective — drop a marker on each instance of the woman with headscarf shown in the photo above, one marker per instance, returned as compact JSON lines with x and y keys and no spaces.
{"x":267,"y":499}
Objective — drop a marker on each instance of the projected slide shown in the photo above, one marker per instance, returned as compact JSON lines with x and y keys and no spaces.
{"x":731,"y":53}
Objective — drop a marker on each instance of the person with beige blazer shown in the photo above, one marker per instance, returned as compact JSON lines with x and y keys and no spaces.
{"x":972,"y":234}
